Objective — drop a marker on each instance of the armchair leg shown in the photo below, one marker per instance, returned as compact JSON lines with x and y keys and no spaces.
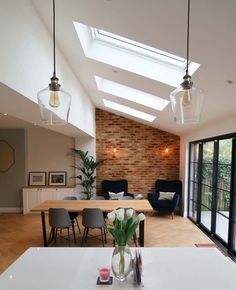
{"x":172,"y":214}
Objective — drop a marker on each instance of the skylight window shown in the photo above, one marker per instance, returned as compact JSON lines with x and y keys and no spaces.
{"x":138,"y":47}
{"x":131,"y":94}
{"x":132,"y":56}
{"x":128,"y":111}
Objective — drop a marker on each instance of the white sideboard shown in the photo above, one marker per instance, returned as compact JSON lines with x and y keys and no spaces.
{"x":32,"y":196}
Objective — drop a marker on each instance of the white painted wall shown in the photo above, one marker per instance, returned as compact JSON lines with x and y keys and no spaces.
{"x":226,"y":126}
{"x":50,"y":151}
{"x":27,"y":63}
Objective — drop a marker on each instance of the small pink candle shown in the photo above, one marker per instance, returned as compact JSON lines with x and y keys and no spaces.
{"x":104,"y":274}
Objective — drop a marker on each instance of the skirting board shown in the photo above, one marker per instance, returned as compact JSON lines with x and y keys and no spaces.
{"x":11,"y":209}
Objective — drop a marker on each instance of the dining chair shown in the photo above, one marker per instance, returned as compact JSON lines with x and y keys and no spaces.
{"x":97,"y":197}
{"x":126,"y":197}
{"x":73,"y":214}
{"x":59,"y":219}
{"x":92,"y":218}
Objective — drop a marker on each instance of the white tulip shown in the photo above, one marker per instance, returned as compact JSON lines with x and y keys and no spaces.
{"x":111,"y":216}
{"x":141,"y":217}
{"x":120,"y":215}
{"x":129,"y":213}
{"x":120,"y":210}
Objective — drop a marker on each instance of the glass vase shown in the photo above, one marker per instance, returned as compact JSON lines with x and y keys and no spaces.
{"x":121,"y":262}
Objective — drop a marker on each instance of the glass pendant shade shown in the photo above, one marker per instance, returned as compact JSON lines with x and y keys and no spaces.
{"x":53,"y":101}
{"x":54,"y":106}
{"x":187,"y":101}
{"x":187,"y":105}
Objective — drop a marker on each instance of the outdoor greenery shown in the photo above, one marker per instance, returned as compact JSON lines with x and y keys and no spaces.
{"x":223,"y":174}
{"x":86,"y":167}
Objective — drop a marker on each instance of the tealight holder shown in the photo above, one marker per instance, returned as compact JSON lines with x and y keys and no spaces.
{"x":104,"y":276}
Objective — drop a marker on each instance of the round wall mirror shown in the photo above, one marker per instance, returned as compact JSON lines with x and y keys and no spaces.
{"x":7,"y":156}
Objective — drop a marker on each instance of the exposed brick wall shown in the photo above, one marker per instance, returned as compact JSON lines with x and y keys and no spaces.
{"x":140,"y":156}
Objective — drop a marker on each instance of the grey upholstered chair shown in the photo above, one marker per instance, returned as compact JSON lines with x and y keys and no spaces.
{"x":126,"y":197}
{"x":92,"y":218}
{"x":97,"y":197}
{"x":73,"y":215}
{"x":59,"y":219}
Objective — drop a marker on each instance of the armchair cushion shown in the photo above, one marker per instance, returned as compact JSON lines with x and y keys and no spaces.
{"x":116,"y":195}
{"x":115,"y":186}
{"x":166,"y":195}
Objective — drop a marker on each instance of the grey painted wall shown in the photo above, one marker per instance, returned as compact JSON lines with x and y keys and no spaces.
{"x":12,"y":181}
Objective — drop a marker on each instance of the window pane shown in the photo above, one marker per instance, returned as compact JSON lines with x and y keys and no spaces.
{"x":206,"y":217}
{"x":194,"y":152}
{"x":208,"y":152}
{"x":225,"y":151}
{"x":193,"y":191}
{"x":193,"y":210}
{"x":223,"y":202}
{"x":222,"y":227}
{"x":224,"y":176}
{"x":207,"y":174}
{"x":207,"y":196}
{"x":194,"y":172}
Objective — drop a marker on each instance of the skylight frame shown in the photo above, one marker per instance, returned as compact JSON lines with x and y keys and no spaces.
{"x":128,"y":60}
{"x":139,"y":48}
{"x":131,"y":94}
{"x":129,"y":111}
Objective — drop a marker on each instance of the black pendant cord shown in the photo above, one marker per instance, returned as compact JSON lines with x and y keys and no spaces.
{"x":54,"y":40}
{"x":188,"y":36}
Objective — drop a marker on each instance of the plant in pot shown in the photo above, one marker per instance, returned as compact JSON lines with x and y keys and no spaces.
{"x":86,"y":167}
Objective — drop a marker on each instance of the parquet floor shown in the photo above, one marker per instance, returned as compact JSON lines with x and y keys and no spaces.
{"x":19,"y":232}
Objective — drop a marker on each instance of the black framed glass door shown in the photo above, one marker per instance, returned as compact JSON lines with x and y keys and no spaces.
{"x":212,"y":182}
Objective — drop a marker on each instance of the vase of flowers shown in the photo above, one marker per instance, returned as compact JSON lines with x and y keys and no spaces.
{"x":122,"y":225}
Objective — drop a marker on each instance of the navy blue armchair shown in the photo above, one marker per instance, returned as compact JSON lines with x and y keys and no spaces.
{"x":115,"y":186}
{"x":165,"y":204}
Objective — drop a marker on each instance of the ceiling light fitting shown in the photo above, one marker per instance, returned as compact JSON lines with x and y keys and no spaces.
{"x":187,"y":100}
{"x":54,"y":102}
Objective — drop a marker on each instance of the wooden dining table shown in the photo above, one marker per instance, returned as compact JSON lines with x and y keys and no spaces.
{"x":105,"y":205}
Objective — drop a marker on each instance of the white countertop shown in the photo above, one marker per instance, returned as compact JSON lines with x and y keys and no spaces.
{"x":163,"y":269}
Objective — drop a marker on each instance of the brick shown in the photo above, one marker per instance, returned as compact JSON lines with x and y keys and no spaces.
{"x":140,"y":156}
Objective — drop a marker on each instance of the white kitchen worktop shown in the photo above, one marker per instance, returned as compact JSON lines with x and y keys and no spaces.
{"x":77,"y":268}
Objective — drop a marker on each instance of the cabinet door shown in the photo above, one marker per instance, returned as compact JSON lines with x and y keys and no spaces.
{"x":31,"y":198}
{"x":57,"y":193}
{"x":48,"y":194}
{"x":60,"y":193}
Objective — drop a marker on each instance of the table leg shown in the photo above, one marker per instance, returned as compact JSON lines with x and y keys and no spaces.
{"x":141,"y":233}
{"x":45,"y":243}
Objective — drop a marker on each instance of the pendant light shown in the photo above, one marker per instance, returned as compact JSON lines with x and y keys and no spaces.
{"x":54,"y":102}
{"x":187,"y":100}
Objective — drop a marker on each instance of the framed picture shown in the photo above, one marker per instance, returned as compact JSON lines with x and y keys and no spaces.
{"x":37,"y":178}
{"x":57,"y":178}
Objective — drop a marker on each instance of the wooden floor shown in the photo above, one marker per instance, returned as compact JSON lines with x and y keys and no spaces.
{"x":19,"y":232}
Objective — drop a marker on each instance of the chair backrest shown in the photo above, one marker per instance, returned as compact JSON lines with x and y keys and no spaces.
{"x":168,"y":186}
{"x":93,"y":218}
{"x":59,"y":217}
{"x":97,"y":197}
{"x":126,"y":197}
{"x":114,"y":186}
{"x":69,"y":197}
